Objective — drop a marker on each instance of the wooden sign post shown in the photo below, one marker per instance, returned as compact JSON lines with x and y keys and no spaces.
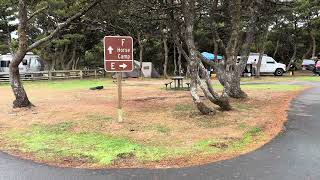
{"x":118,"y":58}
{"x":120,"y":112}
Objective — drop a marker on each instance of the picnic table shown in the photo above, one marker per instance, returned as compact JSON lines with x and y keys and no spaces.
{"x":178,"y":82}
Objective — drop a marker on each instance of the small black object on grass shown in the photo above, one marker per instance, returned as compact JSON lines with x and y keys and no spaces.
{"x":97,"y":88}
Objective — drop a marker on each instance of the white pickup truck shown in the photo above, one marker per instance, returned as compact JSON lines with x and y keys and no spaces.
{"x":268,"y":65}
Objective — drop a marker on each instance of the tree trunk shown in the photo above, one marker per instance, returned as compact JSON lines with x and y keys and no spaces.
{"x":75,"y":64}
{"x":308,"y":54}
{"x":73,"y":58}
{"x":175,"y":59}
{"x":233,"y":70}
{"x":232,"y":86}
{"x":261,"y":52}
{"x":195,"y":64}
{"x":314,"y":44}
{"x":63,"y":55}
{"x":141,"y":48}
{"x":166,"y":52}
{"x":276,"y":49}
{"x":179,"y":61}
{"x":293,"y":58}
{"x":202,"y":107}
{"x":16,"y":85}
{"x":188,"y":8}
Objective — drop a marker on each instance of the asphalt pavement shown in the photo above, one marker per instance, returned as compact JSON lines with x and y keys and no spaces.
{"x":293,"y":155}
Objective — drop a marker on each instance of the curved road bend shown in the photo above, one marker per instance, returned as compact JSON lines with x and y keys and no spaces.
{"x":293,"y":155}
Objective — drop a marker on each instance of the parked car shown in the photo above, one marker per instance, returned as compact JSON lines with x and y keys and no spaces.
{"x":307,"y":63}
{"x":268,"y":64}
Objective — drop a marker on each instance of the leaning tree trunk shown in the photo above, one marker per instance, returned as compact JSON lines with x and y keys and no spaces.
{"x":21,"y":98}
{"x":195,"y":64}
{"x":16,"y":85}
{"x":188,"y":8}
{"x":166,"y":52}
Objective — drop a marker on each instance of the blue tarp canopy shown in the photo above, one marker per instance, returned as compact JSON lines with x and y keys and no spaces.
{"x":211,"y":56}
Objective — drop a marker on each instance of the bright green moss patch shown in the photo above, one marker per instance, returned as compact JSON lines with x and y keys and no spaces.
{"x":57,"y":142}
{"x":247,"y":138}
{"x":215,"y":146}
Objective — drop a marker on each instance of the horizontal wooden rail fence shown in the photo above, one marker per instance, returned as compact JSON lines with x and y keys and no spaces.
{"x":53,"y":75}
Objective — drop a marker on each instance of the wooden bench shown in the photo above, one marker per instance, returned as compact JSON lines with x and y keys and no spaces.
{"x":169,"y":83}
{"x":188,"y":84}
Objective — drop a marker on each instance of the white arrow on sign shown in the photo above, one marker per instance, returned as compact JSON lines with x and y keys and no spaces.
{"x":110,"y":49}
{"x":123,"y":66}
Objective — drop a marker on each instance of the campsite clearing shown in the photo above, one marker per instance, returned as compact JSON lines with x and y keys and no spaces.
{"x":72,"y":126}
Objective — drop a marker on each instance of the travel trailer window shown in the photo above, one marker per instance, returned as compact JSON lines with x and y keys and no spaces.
{"x":4,"y":63}
{"x":24,"y":62}
{"x":270,"y":62}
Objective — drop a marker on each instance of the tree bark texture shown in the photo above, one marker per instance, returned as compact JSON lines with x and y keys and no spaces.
{"x":166,"y":57}
{"x":231,"y":73}
{"x":21,"y":98}
{"x":276,"y":49}
{"x":314,"y":43}
{"x":141,"y":48}
{"x":196,"y":67}
{"x":175,"y":59}
{"x":262,"y":50}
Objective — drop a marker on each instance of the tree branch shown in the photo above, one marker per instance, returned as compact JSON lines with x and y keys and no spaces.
{"x":63,"y":25}
{"x":38,"y":12}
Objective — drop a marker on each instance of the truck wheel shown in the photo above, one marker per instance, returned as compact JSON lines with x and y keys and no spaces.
{"x":279,"y":72}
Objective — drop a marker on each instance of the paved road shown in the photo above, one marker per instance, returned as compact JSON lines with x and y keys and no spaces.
{"x":293,"y":155}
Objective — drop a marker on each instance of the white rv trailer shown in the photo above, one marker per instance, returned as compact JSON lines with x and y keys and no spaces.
{"x":30,"y":63}
{"x":268,"y":64}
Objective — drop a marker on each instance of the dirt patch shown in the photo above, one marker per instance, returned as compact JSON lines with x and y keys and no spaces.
{"x":153,"y":117}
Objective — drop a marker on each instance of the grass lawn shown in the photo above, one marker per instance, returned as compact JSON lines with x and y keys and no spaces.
{"x":282,"y":79}
{"x":73,"y":126}
{"x":65,"y":84}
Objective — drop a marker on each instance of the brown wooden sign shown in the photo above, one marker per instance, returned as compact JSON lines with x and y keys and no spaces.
{"x":118,"y":53}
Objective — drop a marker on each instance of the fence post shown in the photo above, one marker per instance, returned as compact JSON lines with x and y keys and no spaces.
{"x":81,"y":74}
{"x":95,"y":74}
{"x":49,"y":75}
